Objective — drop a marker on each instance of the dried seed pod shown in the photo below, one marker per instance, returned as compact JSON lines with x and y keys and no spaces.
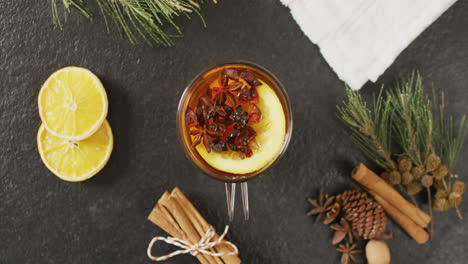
{"x":441,"y":204}
{"x":432,"y":162}
{"x":393,"y":165}
{"x":414,"y":187}
{"x":404,"y":165}
{"x":417,"y":172}
{"x":455,"y":199}
{"x":459,"y":187}
{"x":441,"y":172}
{"x":394,"y":178}
{"x":406,"y":178}
{"x":440,"y":194}
{"x":438,"y":184}
{"x":385,"y":176}
{"x":427,"y":181}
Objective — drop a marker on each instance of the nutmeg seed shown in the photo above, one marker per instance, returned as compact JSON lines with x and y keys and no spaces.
{"x":377,"y":252}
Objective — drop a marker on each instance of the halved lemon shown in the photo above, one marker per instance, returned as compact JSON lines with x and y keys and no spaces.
{"x":75,"y":160}
{"x":271,"y":131}
{"x":72,"y":103}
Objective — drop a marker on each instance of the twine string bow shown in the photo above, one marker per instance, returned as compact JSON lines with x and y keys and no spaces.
{"x":202,"y":246}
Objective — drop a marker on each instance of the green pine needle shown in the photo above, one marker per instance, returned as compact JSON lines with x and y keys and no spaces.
{"x":136,"y":18}
{"x":369,"y":129}
{"x":450,"y":143}
{"x":412,"y":118}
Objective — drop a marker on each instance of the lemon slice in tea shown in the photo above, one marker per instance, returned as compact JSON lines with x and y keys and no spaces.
{"x":271,"y":131}
{"x":75,"y":160}
{"x":72,"y":103}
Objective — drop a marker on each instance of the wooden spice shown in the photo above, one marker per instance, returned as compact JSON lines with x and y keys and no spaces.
{"x":414,"y":230}
{"x":374,"y":183}
{"x":176,"y":215}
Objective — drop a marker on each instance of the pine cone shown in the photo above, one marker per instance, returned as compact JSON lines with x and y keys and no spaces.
{"x":364,"y":214}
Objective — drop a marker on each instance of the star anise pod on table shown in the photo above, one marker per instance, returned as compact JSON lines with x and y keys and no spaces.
{"x":342,"y":230}
{"x":332,"y":214}
{"x":322,"y":205}
{"x":348,"y":250}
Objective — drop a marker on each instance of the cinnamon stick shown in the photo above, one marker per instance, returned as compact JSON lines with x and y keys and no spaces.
{"x":162,"y":218}
{"x":196,"y":224}
{"x":192,"y":235}
{"x":371,"y":181}
{"x":413,"y":229}
{"x":202,"y":226}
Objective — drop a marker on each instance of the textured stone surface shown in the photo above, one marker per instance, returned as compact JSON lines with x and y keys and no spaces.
{"x":103,"y":220}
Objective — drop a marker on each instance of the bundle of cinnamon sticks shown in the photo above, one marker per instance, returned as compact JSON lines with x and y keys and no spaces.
{"x":412,"y":219}
{"x":176,"y":215}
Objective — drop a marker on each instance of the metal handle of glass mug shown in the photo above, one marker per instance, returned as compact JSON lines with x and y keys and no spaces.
{"x":231,"y":198}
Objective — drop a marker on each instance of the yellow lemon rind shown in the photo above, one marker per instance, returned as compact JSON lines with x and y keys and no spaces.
{"x":98,"y":123}
{"x":86,"y":176}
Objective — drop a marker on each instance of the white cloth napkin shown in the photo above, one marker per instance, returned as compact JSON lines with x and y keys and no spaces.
{"x":361,"y":38}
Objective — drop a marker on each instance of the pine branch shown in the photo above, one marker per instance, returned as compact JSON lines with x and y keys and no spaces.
{"x":369,"y":129}
{"x":449,"y":143}
{"x":146,"y":19}
{"x":412,"y":118}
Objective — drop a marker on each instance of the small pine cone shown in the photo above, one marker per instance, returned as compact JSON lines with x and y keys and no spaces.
{"x":365,"y":215}
{"x":455,"y":199}
{"x":441,"y":172}
{"x":432,"y":162}
{"x":417,"y":172}
{"x":404,"y":165}
{"x":406,"y":178}
{"x":394,"y":178}
{"x":427,"y":180}
{"x":441,"y":204}
{"x":440,"y":193}
{"x":459,"y":187}
{"x":414,"y":187}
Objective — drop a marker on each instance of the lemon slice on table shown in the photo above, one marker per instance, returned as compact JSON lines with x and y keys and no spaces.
{"x":271,"y":131}
{"x":75,"y":160}
{"x":72,"y":103}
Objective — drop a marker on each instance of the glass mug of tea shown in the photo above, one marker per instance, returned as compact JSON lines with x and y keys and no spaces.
{"x":234,"y":121}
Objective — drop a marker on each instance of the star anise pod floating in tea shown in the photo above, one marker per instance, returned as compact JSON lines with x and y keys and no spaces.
{"x":322,"y":205}
{"x":238,"y":117}
{"x":342,"y":230}
{"x":348,"y":250}
{"x":191,"y":118}
{"x":223,"y":95}
{"x":203,"y":134}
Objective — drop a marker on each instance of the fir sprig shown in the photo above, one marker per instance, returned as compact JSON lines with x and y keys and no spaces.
{"x":450,"y":142}
{"x":133,"y":18}
{"x":370,"y":129}
{"x":412,"y":118}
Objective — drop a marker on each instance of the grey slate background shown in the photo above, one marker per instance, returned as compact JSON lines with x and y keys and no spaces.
{"x":103,"y":220}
